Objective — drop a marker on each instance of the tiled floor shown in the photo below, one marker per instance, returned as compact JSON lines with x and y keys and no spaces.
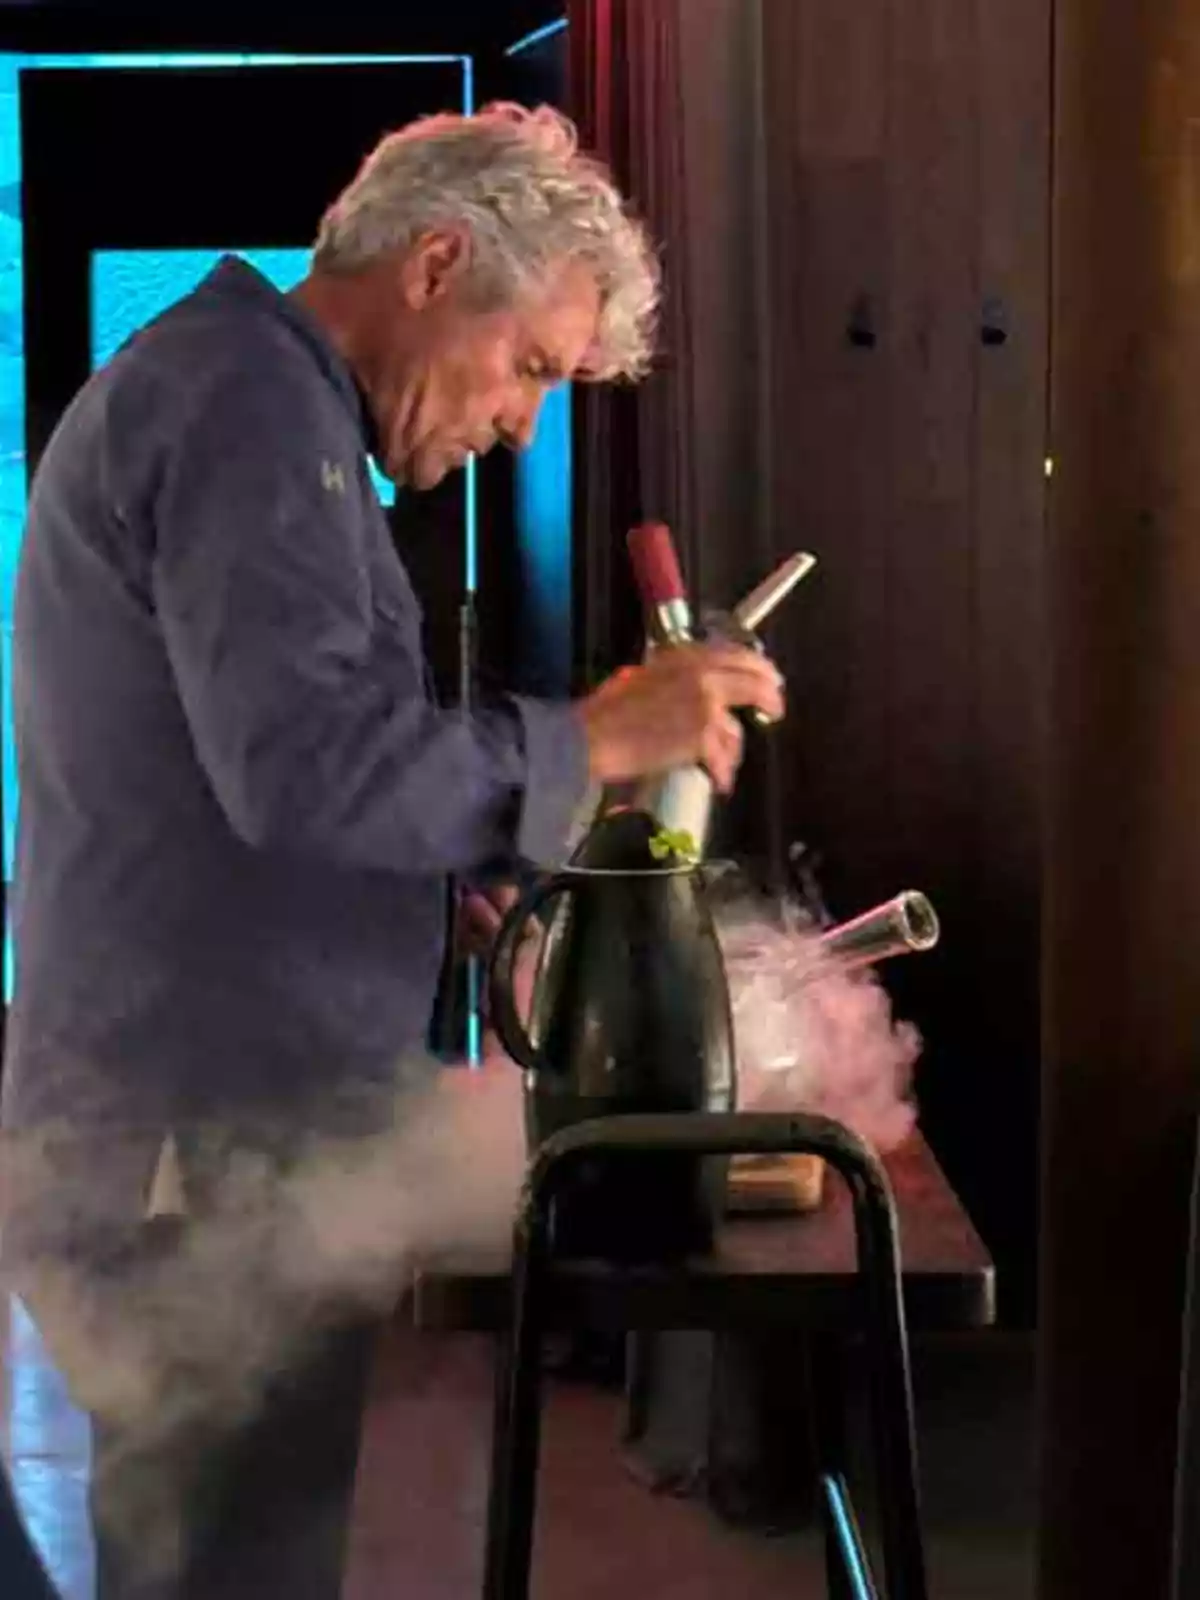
{"x":422,"y":1491}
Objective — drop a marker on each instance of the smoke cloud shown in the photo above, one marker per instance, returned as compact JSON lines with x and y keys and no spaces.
{"x":809,"y":1035}
{"x":175,"y":1340}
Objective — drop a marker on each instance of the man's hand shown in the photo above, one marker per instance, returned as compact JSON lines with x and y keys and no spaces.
{"x":676,"y":709}
{"x":480,"y":913}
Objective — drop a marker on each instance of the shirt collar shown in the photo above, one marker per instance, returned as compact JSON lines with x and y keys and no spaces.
{"x":235,"y":278}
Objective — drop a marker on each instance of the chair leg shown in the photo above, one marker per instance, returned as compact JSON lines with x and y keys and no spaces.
{"x":516,"y":1437}
{"x":848,"y":1574}
{"x":892,"y":1411}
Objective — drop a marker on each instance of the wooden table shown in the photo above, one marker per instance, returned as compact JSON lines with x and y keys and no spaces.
{"x":764,"y":1273}
{"x":765,"y":1270}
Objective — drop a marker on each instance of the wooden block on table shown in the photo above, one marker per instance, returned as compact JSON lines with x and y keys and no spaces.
{"x":775,"y":1184}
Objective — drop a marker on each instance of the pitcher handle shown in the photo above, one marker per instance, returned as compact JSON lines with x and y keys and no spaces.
{"x":501,"y":975}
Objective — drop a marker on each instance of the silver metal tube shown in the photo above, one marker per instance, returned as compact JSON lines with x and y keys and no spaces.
{"x":751,"y":612}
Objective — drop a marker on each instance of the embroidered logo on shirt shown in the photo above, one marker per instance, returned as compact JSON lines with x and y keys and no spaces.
{"x":333,"y":478}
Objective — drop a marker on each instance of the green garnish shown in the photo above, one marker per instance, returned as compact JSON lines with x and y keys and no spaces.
{"x":678,"y":843}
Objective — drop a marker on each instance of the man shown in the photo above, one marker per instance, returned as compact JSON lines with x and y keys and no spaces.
{"x":240,"y":802}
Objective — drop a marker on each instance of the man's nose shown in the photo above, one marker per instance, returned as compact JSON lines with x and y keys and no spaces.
{"x":519,"y":426}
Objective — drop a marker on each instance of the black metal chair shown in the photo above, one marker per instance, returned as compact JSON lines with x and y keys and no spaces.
{"x":512,"y":1508}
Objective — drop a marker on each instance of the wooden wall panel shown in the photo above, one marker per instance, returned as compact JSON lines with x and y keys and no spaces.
{"x":1122,"y":937}
{"x":841,"y":188}
{"x":908,"y":146}
{"x":827,"y":249}
{"x":726,"y":545}
{"x":1013,"y":45}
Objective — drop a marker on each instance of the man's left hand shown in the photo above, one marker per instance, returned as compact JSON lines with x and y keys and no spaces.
{"x":480,"y":913}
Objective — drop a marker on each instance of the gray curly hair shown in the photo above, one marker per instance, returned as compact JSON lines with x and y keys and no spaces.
{"x":533,"y":202}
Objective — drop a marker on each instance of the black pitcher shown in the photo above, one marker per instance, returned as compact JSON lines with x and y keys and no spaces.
{"x":630,"y":1013}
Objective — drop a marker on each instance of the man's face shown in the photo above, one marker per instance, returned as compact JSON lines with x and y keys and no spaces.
{"x":450,"y":379}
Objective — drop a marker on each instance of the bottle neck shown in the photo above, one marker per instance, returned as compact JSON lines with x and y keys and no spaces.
{"x":671,"y":623}
{"x":681,"y":801}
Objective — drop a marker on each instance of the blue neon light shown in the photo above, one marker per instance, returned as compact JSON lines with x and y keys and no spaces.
{"x":474,"y":1012}
{"x":547,"y":31}
{"x":543,"y":486}
{"x":13,"y":484}
{"x":474,"y":972}
{"x":129,"y":288}
{"x":857,"y":1568}
{"x":471,"y":474}
{"x":544,"y":538}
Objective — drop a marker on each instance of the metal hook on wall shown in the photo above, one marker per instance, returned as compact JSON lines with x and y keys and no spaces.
{"x":861,"y":328}
{"x":994,"y":323}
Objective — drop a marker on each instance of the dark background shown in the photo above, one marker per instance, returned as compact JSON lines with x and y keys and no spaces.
{"x":483,"y":27}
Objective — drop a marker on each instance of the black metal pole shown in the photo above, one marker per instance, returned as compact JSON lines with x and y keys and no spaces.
{"x":516,"y":1439}
{"x":892,"y":1411}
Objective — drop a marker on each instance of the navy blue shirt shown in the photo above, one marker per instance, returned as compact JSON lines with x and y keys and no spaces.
{"x":239,"y":800}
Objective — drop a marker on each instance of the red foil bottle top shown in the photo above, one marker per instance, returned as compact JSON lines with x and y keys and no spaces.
{"x":655,"y":565}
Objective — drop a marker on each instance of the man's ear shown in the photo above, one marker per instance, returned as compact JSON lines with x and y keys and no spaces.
{"x":433,"y":266}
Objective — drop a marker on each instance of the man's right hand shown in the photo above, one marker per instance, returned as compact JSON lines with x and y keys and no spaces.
{"x":677,"y":709}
